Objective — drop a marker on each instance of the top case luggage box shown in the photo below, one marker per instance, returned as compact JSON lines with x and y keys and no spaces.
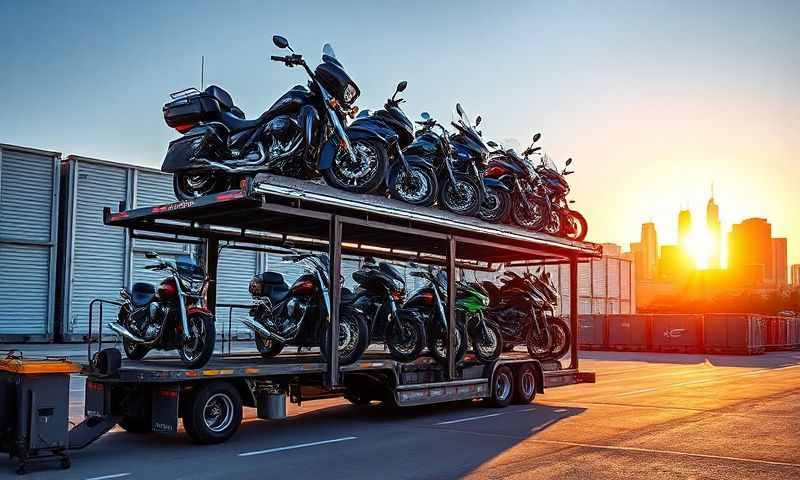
{"x":192,"y":109}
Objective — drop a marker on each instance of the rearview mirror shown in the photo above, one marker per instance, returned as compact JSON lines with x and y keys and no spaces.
{"x":478,"y":121}
{"x":279,"y":41}
{"x":459,"y":110}
{"x":151,"y":255}
{"x":425,"y":115}
{"x":536,"y":137}
{"x":569,"y":160}
{"x":492,"y":144}
{"x":402,"y":86}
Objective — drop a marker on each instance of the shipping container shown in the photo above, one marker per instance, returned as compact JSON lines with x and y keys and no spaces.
{"x":680,"y":333}
{"x":29,"y":189}
{"x":592,"y":332}
{"x":630,"y":333}
{"x":731,"y":333}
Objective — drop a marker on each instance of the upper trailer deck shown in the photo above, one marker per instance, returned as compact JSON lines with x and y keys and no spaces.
{"x":284,"y":211}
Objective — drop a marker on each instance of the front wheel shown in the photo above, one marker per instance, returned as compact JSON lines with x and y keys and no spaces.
{"x":198,"y":347}
{"x":529,"y":212}
{"x":437,"y":344}
{"x":405,"y":339}
{"x":538,"y":342}
{"x":353,"y":337}
{"x":462,"y":197}
{"x":488,"y":342}
{"x":362,"y":175}
{"x":496,"y":207}
{"x":574,"y":226}
{"x":189,"y":186}
{"x":415,"y":186}
{"x":559,"y":331}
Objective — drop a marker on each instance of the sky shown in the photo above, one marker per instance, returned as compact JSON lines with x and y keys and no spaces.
{"x":654,"y":100}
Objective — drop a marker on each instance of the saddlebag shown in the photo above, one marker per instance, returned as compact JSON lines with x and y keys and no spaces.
{"x":206,"y":141}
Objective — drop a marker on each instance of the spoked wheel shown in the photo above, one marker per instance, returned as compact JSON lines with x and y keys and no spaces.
{"x":462,"y":197}
{"x":199,"y":346}
{"x":415,"y":186}
{"x":213,"y":413}
{"x":496,"y":207}
{"x":405,"y":339}
{"x":438,"y":343}
{"x":268,"y":348}
{"x":538,"y":343}
{"x":194,"y":185}
{"x":361,"y":175}
{"x":561,"y":337}
{"x":488,"y":342}
{"x":554,"y":226}
{"x":353,"y":337}
{"x":574,"y":226}
{"x":528,"y":217}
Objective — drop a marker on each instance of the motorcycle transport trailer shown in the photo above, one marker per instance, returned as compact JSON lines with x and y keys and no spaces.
{"x":269,"y":212}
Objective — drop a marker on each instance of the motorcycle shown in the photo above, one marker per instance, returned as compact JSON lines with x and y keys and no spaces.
{"x":380,"y":289}
{"x":299,"y":315}
{"x":472,"y":326}
{"x":458,"y":192}
{"x":563,"y":221}
{"x":471,"y":154}
{"x":170,"y":317}
{"x":299,"y":135}
{"x":519,"y":175}
{"x":523,"y":307}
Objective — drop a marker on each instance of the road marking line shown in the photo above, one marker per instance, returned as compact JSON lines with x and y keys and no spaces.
{"x":468,"y":419}
{"x":636,"y":391}
{"x":560,"y":410}
{"x":292,"y":447}
{"x":665,"y":452}
{"x":105,"y":477}
{"x":543,"y":426}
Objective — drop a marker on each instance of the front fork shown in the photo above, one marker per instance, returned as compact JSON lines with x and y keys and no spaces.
{"x":479,"y":178}
{"x":182,"y":307}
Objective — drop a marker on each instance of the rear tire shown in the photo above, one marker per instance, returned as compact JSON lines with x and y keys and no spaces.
{"x":213,"y":413}
{"x":192,"y":186}
{"x":424,"y":195}
{"x":197,"y":350}
{"x":502,"y":388}
{"x":133,"y":350}
{"x":353,"y":337}
{"x":268,"y":348}
{"x":496,"y":207}
{"x":577,"y":226}
{"x":463,"y":198}
{"x":525,"y":384}
{"x":344,"y":174}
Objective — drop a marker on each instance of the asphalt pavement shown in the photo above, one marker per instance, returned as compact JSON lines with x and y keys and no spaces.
{"x":648,"y":416}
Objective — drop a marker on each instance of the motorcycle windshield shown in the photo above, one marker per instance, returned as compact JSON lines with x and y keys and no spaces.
{"x":548,"y":163}
{"x":328,"y":55}
{"x":463,"y":122}
{"x":188,"y":268}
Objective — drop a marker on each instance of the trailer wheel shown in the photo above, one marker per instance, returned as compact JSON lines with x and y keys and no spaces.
{"x":524,"y":385}
{"x":214,"y":413}
{"x":502,"y":387}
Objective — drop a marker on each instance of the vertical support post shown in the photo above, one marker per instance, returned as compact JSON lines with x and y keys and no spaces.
{"x":451,"y":307}
{"x":334,"y":269}
{"x":573,"y":312}
{"x":212,"y":265}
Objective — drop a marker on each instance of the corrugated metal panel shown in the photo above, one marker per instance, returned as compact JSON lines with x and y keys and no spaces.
{"x":563,"y":272}
{"x":599,"y":277}
{"x":236,"y":268}
{"x":613,"y":277}
{"x":153,"y":188}
{"x":27,"y":218}
{"x":599,"y":306}
{"x":350,"y":265}
{"x":98,"y":261}
{"x":24,"y":289}
{"x":625,"y":280}
{"x":584,"y":306}
{"x":584,"y":281}
{"x":625,"y":307}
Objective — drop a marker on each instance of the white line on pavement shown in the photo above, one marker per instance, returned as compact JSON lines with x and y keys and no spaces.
{"x":543,"y":426}
{"x":665,"y":452}
{"x":292,"y":447}
{"x":636,"y":391}
{"x":560,"y":410}
{"x":106,"y":477}
{"x":449,"y":422}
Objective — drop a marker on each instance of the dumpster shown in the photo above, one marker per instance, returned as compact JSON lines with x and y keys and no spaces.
{"x":679,"y":333}
{"x":591,"y":332}
{"x":629,"y":333}
{"x":34,"y":404}
{"x":734,"y":334}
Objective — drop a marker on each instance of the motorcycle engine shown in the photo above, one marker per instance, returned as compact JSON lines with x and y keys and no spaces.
{"x":278,"y":135}
{"x":295,"y":310}
{"x":154,"y":320}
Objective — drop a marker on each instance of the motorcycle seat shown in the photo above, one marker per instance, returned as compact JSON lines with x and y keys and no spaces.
{"x":275,"y":287}
{"x":142,"y":293}
{"x":237,"y":124}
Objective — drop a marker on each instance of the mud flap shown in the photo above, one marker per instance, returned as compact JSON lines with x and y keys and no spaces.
{"x":165,"y":409}
{"x":97,"y":399}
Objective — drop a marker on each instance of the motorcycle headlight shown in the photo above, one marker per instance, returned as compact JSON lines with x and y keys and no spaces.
{"x":350,"y":93}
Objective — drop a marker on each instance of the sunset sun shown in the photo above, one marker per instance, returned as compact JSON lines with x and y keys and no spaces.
{"x":700,"y":247}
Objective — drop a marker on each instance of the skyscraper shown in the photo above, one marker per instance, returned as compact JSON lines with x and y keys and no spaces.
{"x":714,"y":231}
{"x":779,"y":263}
{"x":684,"y":228}
{"x":750,"y":251}
{"x":796,"y":275}
{"x":649,"y":251}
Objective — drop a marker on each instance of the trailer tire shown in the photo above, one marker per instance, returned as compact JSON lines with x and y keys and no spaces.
{"x":502,"y":387}
{"x":524,"y":385}
{"x":213,"y":413}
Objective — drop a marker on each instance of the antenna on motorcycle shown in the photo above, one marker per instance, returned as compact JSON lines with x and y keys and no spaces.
{"x":281,"y":42}
{"x":202,"y":72}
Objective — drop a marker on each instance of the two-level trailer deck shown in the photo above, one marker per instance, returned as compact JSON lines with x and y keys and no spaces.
{"x":271,"y":211}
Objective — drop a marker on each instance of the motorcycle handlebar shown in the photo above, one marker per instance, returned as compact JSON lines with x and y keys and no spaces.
{"x":276,"y":58}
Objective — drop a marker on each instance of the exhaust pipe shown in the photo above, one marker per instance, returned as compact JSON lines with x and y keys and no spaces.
{"x":262,"y":331}
{"x":116,"y":327}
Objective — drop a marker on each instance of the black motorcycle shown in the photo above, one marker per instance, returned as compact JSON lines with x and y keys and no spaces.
{"x":300,"y":135}
{"x":299,"y":315}
{"x":380,"y":291}
{"x":523,"y":307}
{"x":170,"y":317}
{"x":458,"y":192}
{"x":471,"y":155}
{"x":528,"y":209}
{"x":553,"y":189}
